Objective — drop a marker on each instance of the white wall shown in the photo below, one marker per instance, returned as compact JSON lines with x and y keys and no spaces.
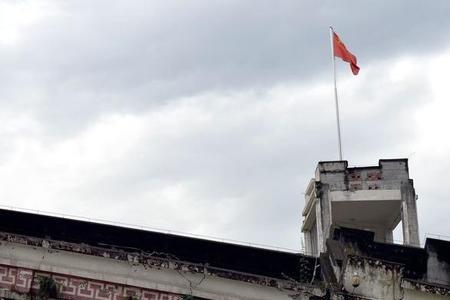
{"x":111,"y":270}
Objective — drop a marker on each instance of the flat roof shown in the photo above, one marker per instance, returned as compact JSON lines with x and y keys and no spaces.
{"x":247,"y":259}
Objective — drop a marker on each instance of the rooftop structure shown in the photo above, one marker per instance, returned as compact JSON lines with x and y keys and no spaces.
{"x":369,"y":198}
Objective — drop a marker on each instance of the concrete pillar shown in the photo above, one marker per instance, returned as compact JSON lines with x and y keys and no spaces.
{"x":326,"y":215}
{"x":320,"y":239}
{"x":409,"y":215}
{"x":389,"y":236}
{"x":382,"y":234}
{"x":307,"y":238}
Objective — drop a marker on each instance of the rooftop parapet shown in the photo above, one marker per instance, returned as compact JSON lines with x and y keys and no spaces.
{"x":389,"y":174}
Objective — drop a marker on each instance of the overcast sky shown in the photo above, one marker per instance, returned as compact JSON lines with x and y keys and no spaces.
{"x":209,"y":117}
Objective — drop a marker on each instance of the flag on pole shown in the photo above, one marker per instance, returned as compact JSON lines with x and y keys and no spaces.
{"x":341,"y":51}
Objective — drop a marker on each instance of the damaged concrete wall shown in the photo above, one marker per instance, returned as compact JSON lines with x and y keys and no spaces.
{"x":413,"y":290}
{"x":377,"y":279}
{"x":438,"y":262}
{"x":167,"y":277}
{"x":357,"y":267}
{"x":384,"y":280}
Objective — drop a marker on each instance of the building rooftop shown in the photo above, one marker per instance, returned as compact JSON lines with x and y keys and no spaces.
{"x":246,"y":259}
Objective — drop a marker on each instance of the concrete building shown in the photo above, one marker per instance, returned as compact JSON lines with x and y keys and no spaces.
{"x":43,"y":257}
{"x":355,"y":266}
{"x":91,"y":261}
{"x":368,"y":198}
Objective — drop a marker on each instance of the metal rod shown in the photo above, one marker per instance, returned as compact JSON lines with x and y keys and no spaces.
{"x":335,"y":93}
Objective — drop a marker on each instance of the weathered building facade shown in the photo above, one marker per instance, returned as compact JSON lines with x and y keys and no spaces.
{"x":355,"y":266}
{"x":369,"y":198}
{"x":50,"y":257}
{"x":96,"y":261}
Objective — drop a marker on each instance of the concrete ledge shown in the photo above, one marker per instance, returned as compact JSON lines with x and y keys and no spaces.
{"x":366,"y":195}
{"x":128,"y":273}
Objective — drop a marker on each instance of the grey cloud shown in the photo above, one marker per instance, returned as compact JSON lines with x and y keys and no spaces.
{"x":130,"y":56}
{"x":136,"y":58}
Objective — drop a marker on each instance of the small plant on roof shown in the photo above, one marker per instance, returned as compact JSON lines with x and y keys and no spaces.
{"x":48,"y":288}
{"x":134,"y":297}
{"x":188,"y":297}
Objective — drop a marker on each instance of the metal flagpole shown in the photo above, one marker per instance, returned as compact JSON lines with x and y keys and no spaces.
{"x":335,"y":93}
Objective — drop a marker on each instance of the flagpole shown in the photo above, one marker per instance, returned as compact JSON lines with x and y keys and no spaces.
{"x":335,"y":94}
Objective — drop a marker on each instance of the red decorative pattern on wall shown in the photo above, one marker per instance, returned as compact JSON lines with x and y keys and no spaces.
{"x":76,"y":288}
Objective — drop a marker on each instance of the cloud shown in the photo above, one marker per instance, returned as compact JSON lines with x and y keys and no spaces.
{"x":210,"y":117}
{"x":83,"y":59}
{"x":232,"y":164}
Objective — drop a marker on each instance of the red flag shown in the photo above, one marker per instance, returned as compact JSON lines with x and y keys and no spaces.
{"x":341,"y":51}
